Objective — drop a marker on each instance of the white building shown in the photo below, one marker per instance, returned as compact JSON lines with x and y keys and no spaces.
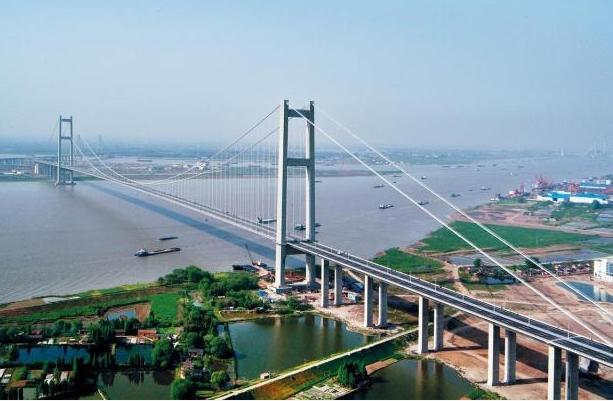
{"x":603,"y":269}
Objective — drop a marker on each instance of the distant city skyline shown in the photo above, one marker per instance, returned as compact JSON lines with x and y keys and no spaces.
{"x":479,"y":74}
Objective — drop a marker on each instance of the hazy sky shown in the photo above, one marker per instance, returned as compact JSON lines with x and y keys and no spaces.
{"x":458,"y":73}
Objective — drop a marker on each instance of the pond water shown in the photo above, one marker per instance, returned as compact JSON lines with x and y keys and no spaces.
{"x":412,"y":379}
{"x":51,"y":353}
{"x":274,"y":344}
{"x":121,"y":314}
{"x":591,"y":291}
{"x":134,"y":385}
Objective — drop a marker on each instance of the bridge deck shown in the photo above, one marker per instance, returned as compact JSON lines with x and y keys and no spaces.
{"x":516,"y":322}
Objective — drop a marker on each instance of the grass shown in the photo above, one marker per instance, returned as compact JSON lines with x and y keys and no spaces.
{"x":571,"y":212}
{"x":408,"y":263}
{"x":115,"y":290}
{"x":164,"y":306}
{"x":491,"y":288}
{"x":443,"y":240}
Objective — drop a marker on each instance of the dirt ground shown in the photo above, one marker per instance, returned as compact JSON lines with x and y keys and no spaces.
{"x":522,"y":300}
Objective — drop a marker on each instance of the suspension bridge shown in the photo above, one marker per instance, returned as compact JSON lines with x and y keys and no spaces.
{"x":264,"y":183}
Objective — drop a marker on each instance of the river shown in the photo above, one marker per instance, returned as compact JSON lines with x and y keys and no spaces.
{"x":60,"y":240}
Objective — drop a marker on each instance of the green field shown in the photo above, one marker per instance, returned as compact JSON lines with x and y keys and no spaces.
{"x":404,"y":262}
{"x":567,"y":213}
{"x":443,"y":240}
{"x":164,"y":306}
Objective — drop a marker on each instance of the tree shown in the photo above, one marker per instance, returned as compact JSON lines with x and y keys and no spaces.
{"x":219,"y":348}
{"x":477,"y":263}
{"x":181,"y":389}
{"x":192,"y":340}
{"x":219,"y":378}
{"x":162,"y":353}
{"x":101,"y":333}
{"x":351,"y":373}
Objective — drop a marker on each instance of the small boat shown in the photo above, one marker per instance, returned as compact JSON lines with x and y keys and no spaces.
{"x":485,"y":188}
{"x":385,"y":206}
{"x":423,"y":177}
{"x":168,"y":238}
{"x":144,"y":252}
{"x":454,"y":195}
{"x":423,"y":203}
{"x":378,"y":186}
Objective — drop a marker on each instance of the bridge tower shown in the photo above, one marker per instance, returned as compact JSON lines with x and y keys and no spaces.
{"x":65,"y":176}
{"x":308,"y":162}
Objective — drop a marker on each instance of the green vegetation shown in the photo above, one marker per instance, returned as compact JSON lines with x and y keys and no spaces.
{"x":190,"y":274}
{"x":181,"y":389}
{"x":567,"y":212}
{"x":101,"y":332}
{"x":164,"y":307}
{"x":479,"y":394}
{"x":219,"y":378}
{"x":163,"y":354}
{"x":98,"y":304}
{"x":407,"y":262}
{"x":443,"y":240}
{"x":351,"y":373}
{"x":291,"y":305}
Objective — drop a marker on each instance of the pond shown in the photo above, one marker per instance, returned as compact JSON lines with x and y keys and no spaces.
{"x":134,"y":385}
{"x":592,"y":291}
{"x":412,"y":379}
{"x":51,"y":353}
{"x":274,"y":344}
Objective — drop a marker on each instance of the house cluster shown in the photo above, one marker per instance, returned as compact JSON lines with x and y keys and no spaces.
{"x":193,"y":366}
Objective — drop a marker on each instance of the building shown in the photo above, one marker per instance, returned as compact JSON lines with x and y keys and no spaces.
{"x":603,"y":269}
{"x":151,"y":334}
{"x":581,"y":197}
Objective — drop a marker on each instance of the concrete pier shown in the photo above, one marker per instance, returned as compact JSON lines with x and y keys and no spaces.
{"x":310,"y":271}
{"x":493,"y":355}
{"x":325,"y":283}
{"x":368,"y":294}
{"x":338,"y":285}
{"x":422,"y":335}
{"x":571,"y":384}
{"x":554,"y":373}
{"x":382,"y":318}
{"x":510,"y":356}
{"x":439,"y":324}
